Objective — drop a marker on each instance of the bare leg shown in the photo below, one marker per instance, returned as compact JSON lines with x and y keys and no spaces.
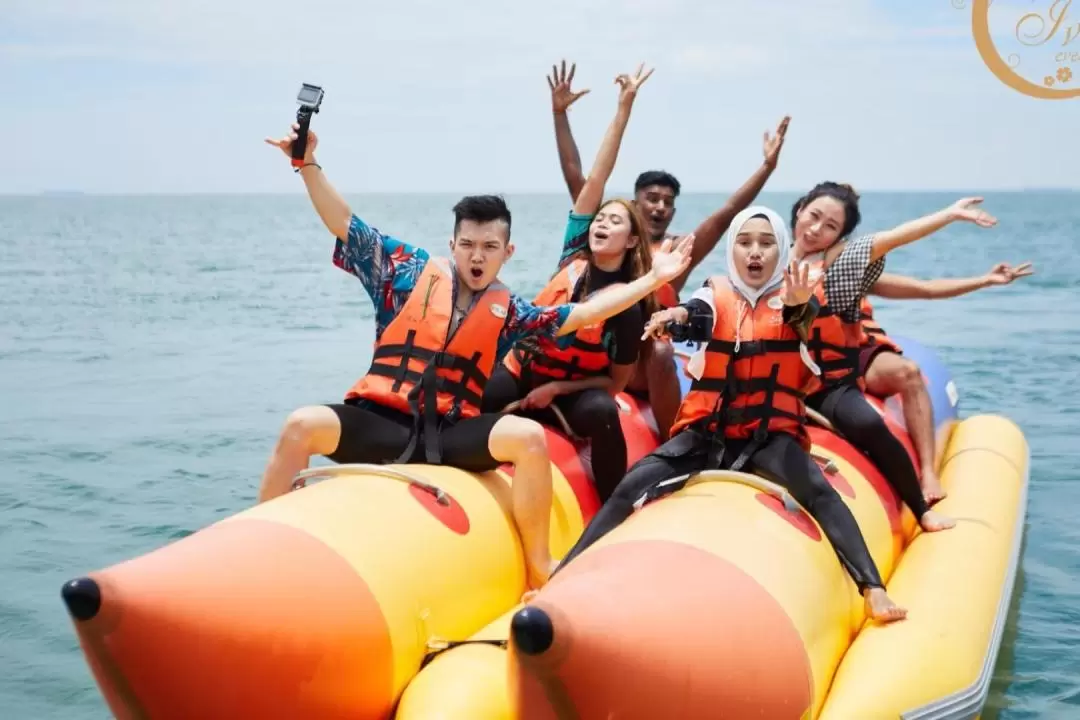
{"x":889,"y":374}
{"x":657,"y":375}
{"x":308,"y":431}
{"x":522,"y":442}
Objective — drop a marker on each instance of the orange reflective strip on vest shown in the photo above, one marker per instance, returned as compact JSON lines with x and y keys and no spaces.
{"x":873,"y":334}
{"x":763,"y":381}
{"x":417,"y":342}
{"x":834,"y":343}
{"x":585,"y":356}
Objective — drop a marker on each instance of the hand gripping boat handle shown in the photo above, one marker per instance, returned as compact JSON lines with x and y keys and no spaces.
{"x":514,"y":406}
{"x":325,"y":473}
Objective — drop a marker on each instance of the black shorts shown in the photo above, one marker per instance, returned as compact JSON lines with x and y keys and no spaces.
{"x":375,"y":434}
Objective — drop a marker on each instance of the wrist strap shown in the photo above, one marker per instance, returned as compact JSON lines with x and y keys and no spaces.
{"x":308,"y":165}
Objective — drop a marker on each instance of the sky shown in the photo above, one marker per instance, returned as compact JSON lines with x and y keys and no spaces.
{"x":162,"y":96}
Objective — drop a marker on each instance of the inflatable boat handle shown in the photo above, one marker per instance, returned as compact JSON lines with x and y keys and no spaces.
{"x":325,"y":473}
{"x":816,"y":417}
{"x":830,"y":466}
{"x":758,"y":483}
{"x":558,"y":415}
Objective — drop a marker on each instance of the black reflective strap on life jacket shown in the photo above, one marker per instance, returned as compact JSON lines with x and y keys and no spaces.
{"x":571,"y":368}
{"x":401,"y":373}
{"x":748,"y":349}
{"x":848,"y":362}
{"x":423,"y":397}
{"x":725,"y":414}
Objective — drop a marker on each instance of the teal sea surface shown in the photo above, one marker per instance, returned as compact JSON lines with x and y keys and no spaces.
{"x":150,"y":348}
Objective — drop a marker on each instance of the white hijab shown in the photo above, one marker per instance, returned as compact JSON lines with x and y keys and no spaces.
{"x":783,"y":243}
{"x":696,"y":364}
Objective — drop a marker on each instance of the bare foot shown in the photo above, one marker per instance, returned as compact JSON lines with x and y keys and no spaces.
{"x":537,"y":573}
{"x":932,"y":521}
{"x":932,"y":491}
{"x":880,"y":608}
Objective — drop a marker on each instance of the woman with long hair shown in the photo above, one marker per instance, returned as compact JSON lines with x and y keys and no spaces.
{"x":605,"y":244}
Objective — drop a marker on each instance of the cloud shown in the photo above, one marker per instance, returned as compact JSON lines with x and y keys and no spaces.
{"x":427,"y":95}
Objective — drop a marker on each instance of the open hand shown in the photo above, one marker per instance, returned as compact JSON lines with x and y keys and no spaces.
{"x":1003,"y":273}
{"x":964,"y":209}
{"x":798,"y":288}
{"x":286,"y":143}
{"x":774,"y":143}
{"x":657,"y":325}
{"x":541,"y":397}
{"x":668,"y":263}
{"x":562,"y":96}
{"x":628,"y":86}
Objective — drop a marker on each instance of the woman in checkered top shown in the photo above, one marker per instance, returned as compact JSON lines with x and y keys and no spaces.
{"x":821,"y":222}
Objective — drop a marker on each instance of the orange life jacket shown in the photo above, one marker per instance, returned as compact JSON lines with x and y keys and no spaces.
{"x":586,"y":355}
{"x":419,"y":368}
{"x":873,"y":335}
{"x":754,"y":380}
{"x":666,"y":295}
{"x":834,"y":343}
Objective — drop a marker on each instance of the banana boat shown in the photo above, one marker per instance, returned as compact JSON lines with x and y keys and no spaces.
{"x":725,"y":600}
{"x":325,"y":602}
{"x":393,"y":591}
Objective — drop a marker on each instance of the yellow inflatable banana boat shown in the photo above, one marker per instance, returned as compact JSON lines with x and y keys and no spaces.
{"x":351,"y":598}
{"x":724,"y":600}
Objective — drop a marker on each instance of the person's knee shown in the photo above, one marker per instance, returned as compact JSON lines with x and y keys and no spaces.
{"x":908,"y":376}
{"x":602,"y":414}
{"x":662,"y":360}
{"x":519,"y":438}
{"x":304,"y":426}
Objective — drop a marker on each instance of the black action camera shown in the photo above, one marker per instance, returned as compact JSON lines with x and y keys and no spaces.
{"x":309,"y":98}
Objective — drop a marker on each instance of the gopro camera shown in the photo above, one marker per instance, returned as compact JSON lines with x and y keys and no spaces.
{"x":309,"y":99}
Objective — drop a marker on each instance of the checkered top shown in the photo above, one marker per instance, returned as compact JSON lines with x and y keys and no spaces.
{"x":851,"y":277}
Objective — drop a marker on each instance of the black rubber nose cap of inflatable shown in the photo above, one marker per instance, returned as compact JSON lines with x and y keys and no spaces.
{"x":532,"y":630}
{"x":82,"y":597}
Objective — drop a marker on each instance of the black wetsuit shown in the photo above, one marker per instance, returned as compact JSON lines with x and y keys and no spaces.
{"x":779,"y":458}
{"x":591,"y":413}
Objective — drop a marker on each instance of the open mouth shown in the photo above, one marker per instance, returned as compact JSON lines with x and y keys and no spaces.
{"x":601,"y":234}
{"x":754,"y":267}
{"x":477,"y":273}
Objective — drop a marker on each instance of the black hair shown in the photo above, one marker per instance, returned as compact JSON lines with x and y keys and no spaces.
{"x":481,"y":209}
{"x":657,"y":177}
{"x":842,"y":193}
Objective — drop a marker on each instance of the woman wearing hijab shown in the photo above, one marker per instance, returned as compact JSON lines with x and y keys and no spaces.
{"x":745,"y":410}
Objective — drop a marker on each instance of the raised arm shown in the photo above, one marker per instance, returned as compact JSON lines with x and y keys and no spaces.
{"x":667,"y":263}
{"x":902,"y":287}
{"x":592,"y":192}
{"x":562,"y":97}
{"x":713,"y":227}
{"x":909,"y":232}
{"x":332,"y":208}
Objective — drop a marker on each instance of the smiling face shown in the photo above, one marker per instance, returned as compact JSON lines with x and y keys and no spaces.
{"x":819,"y":225}
{"x":611,"y":234}
{"x":479,"y":250}
{"x":756,"y":252}
{"x":657,"y":206}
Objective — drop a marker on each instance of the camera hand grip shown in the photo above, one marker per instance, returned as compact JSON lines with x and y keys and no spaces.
{"x":300,"y":144}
